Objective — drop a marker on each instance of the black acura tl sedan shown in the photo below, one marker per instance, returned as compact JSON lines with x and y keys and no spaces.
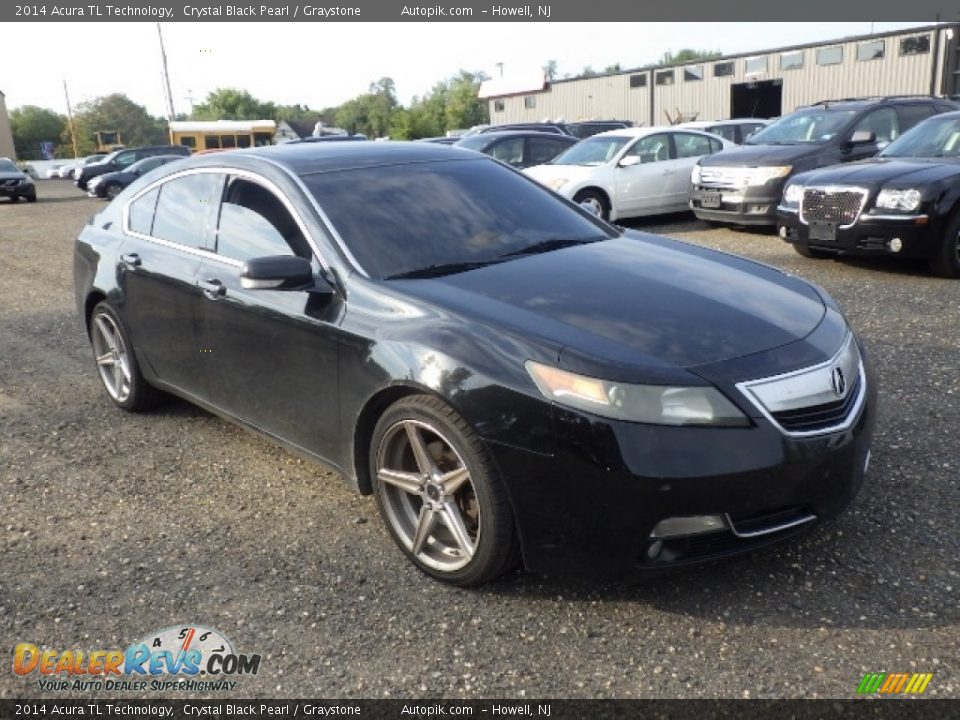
{"x":905,"y":202}
{"x":511,"y":377}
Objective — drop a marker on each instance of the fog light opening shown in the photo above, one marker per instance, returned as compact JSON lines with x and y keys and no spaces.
{"x":688,"y":525}
{"x":783,"y":231}
{"x":895,"y":245}
{"x":654,"y":549}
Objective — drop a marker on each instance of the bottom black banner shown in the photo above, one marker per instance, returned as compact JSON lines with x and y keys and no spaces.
{"x":872,"y":709}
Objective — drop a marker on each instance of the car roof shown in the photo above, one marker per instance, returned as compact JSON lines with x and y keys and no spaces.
{"x":525,"y":133}
{"x":643,"y":131}
{"x":309,"y":158}
{"x":696,"y":124}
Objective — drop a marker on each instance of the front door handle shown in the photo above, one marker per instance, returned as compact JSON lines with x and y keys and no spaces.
{"x":131,"y":259}
{"x":212,"y":288}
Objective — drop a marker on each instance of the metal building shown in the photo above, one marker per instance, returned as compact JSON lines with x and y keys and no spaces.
{"x":917,"y":61}
{"x":6,"y":134}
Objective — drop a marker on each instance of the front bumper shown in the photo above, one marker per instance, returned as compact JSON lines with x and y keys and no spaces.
{"x":19,"y":190}
{"x":871,"y":235}
{"x":592,"y":506}
{"x":753,"y":205}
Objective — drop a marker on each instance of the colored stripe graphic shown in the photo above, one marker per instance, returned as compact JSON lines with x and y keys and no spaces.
{"x":894,"y":683}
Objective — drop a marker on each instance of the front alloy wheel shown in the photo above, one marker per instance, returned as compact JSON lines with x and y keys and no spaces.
{"x":438,"y":494}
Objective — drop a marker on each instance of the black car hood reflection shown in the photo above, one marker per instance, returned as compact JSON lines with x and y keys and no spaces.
{"x":636,"y":300}
{"x":761,"y":155}
{"x":876,"y":171}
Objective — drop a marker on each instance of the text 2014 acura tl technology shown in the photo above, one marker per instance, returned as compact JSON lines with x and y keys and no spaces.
{"x":508,"y":375}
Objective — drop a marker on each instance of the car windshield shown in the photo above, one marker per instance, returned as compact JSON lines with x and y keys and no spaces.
{"x":595,"y":150}
{"x":936,"y":137}
{"x":403,"y":219}
{"x":474,"y":142}
{"x":7,"y":166}
{"x":815,"y":125}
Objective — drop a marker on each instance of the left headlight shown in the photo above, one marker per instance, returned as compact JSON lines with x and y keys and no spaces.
{"x":904,"y":200}
{"x":762,"y":175}
{"x":792,"y":194}
{"x":695,"y":174}
{"x":654,"y":404}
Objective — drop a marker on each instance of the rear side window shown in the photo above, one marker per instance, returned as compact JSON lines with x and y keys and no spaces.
{"x":690,"y":145}
{"x":543,"y":150}
{"x":140,"y":212}
{"x":910,"y":115}
{"x":727,"y":132}
{"x":184,"y":208}
{"x":255,"y":223}
{"x":508,"y":151}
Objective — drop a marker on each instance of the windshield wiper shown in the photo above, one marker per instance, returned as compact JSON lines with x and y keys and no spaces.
{"x":548,"y":245}
{"x":441,"y":269}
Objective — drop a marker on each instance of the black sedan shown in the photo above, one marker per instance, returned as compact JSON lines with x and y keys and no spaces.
{"x":14,"y":183}
{"x":511,"y":377}
{"x":519,"y":148}
{"x":903,"y":203}
{"x":112,"y":184}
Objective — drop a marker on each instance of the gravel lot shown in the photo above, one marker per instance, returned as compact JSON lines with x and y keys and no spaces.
{"x":116,"y":525}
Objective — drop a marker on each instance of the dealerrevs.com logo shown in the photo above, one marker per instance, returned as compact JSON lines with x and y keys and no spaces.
{"x":190,"y":658}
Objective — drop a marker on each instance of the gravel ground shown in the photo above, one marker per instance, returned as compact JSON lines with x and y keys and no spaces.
{"x":116,"y":525}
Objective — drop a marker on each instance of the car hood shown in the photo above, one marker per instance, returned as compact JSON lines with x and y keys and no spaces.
{"x":571,"y":173}
{"x":760,"y":155}
{"x":881,"y":171}
{"x":10,"y":175}
{"x":637,"y":301}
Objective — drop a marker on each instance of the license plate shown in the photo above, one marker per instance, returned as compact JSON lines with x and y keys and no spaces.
{"x":710,"y":200}
{"x":823,"y":231}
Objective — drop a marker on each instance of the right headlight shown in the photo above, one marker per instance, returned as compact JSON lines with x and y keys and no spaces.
{"x":654,"y":404}
{"x":792,"y":194}
{"x":695,"y":174}
{"x":894,"y":199}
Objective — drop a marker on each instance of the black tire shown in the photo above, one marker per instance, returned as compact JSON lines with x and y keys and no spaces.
{"x":31,"y":198}
{"x":111,"y":191}
{"x":946,"y":263}
{"x":597,"y":197}
{"x":139,"y":395}
{"x":809,"y":252}
{"x":14,"y":198}
{"x":495,"y":547}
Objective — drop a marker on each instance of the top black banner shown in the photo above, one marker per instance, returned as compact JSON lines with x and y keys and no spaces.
{"x":920,"y":11}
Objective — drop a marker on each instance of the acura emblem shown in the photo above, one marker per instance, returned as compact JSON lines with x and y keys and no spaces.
{"x":839,"y":382}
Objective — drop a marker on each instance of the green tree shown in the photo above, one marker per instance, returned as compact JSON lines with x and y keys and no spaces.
{"x":32,"y":125}
{"x":615,"y":68}
{"x":117,"y":113}
{"x":550,"y":70}
{"x":588,"y":71}
{"x":687,"y":55}
{"x":371,"y":113}
{"x":233,"y":104}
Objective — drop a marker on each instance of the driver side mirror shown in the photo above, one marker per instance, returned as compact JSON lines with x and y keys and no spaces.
{"x":629,"y":161}
{"x":863,"y":137}
{"x":280,"y":272}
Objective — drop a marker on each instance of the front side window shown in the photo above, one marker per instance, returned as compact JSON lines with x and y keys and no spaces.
{"x":882,"y":123}
{"x":254,"y":223}
{"x":690,"y":145}
{"x":183,"y":209}
{"x":400,"y":219}
{"x":140,"y":212}
{"x":652,"y":148}
{"x":125,"y":159}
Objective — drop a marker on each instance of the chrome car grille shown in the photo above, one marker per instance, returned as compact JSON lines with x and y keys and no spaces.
{"x":725,"y":178}
{"x":13,"y":182}
{"x":821,"y":399}
{"x":836,"y":205}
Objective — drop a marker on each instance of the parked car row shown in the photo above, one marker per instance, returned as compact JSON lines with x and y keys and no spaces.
{"x":120,"y":160}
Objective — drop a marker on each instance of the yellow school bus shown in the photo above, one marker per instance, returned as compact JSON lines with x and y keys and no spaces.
{"x":199,"y":135}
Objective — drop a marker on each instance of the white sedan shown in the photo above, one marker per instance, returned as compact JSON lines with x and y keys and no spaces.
{"x":629,"y":172}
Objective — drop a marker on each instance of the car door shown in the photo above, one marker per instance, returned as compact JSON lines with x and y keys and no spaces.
{"x":688,"y":149}
{"x":270,"y":355}
{"x":641,"y":188}
{"x":166,"y":230}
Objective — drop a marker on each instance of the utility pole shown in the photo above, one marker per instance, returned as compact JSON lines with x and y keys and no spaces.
{"x":73,"y":130}
{"x":166,"y":76}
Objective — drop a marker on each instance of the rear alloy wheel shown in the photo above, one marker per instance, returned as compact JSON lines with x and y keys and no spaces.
{"x":439,"y":494}
{"x":595,"y":201}
{"x":116,"y":363}
{"x":112,"y":190}
{"x":947,"y":261}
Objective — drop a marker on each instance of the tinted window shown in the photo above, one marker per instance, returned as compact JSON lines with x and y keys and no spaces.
{"x":690,"y":145}
{"x":937,"y":137}
{"x":254,"y":223}
{"x":791,"y":60}
{"x":910,"y":115}
{"x":125,"y":159}
{"x":595,"y":150}
{"x":804,"y":126}
{"x":183,"y":209}
{"x":727,"y":132}
{"x":830,"y":55}
{"x":509,"y":151}
{"x":638,"y":81}
{"x":870,"y":50}
{"x":652,"y":148}
{"x":543,"y":150}
{"x":724,"y":69}
{"x":140,"y":213}
{"x":693,"y":73}
{"x":883,"y":123}
{"x":916,"y":45}
{"x":401,"y":218}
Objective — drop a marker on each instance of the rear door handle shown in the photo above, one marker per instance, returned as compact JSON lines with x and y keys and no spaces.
{"x":212,"y":288}
{"x":131,"y":259}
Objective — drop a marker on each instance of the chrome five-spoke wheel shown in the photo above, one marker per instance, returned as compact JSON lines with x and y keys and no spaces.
{"x":113,"y":361}
{"x":438,"y":493}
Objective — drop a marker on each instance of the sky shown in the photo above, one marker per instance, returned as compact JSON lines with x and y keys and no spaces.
{"x":325,"y":64}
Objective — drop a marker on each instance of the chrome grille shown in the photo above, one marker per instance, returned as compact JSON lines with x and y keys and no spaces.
{"x":841,"y":206}
{"x":819,"y":417}
{"x":10,"y":183}
{"x":726,"y":178}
